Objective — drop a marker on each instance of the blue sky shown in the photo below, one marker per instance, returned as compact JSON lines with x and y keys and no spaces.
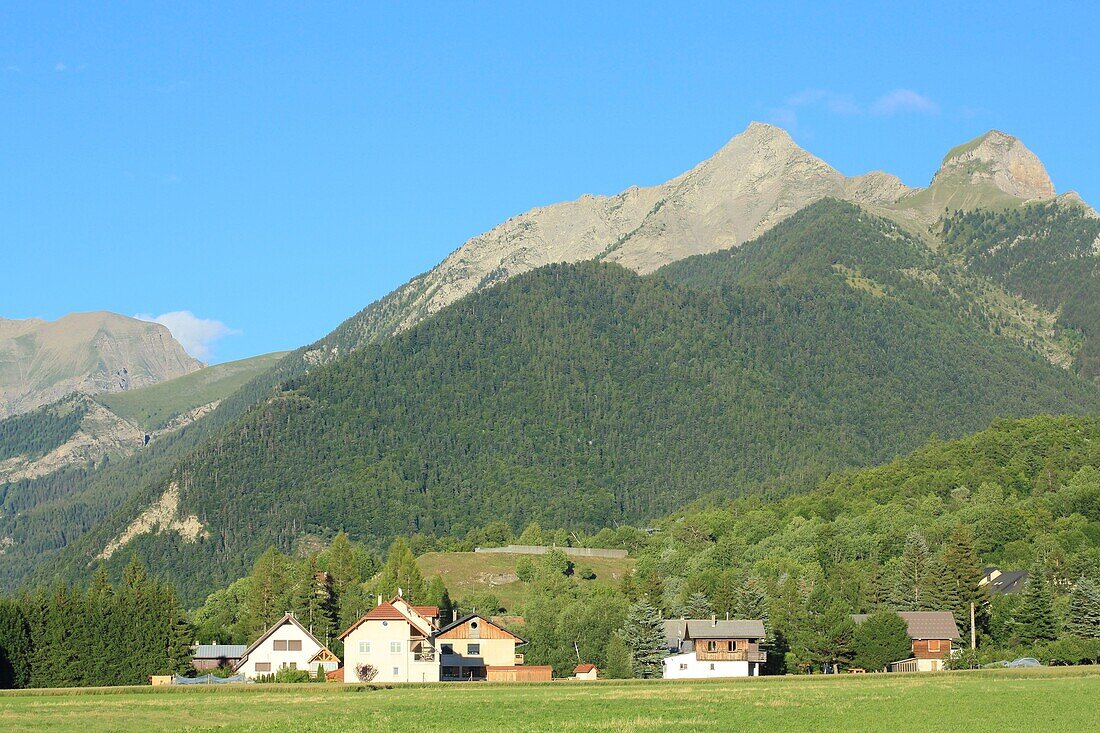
{"x":273,"y":169}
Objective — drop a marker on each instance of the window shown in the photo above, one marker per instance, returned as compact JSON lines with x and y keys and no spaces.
{"x":473,"y":649}
{"x":291,"y":665}
{"x":395,"y":647}
{"x":683,"y":666}
{"x":447,"y":649}
{"x":364,"y":647}
{"x":396,"y":671}
{"x":280,"y":645}
{"x":263,"y":666}
{"x":712,"y":666}
{"x":294,"y":645}
{"x":933,"y":645}
{"x":712,"y":646}
{"x":731,"y":645}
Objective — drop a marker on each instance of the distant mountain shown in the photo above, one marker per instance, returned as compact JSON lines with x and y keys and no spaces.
{"x":82,"y":430}
{"x":759,"y":179}
{"x":582,"y":395}
{"x":43,"y":361}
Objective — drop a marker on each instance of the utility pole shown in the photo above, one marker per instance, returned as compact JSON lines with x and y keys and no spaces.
{"x":973,"y":631}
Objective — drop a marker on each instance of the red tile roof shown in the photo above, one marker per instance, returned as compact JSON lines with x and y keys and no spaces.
{"x":426,"y":611}
{"x":582,"y":668}
{"x":336,"y":675}
{"x":385,"y":612}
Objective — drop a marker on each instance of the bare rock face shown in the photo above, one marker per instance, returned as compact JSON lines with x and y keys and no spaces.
{"x":875,"y":187}
{"x":1002,"y":160}
{"x":42,"y":361}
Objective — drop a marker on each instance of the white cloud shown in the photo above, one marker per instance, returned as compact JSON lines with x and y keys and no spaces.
{"x":196,"y":335}
{"x":903,"y":100}
{"x":892,"y":103}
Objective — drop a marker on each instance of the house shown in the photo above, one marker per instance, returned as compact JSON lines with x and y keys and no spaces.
{"x":932,"y":633}
{"x":205,"y":657}
{"x":705,"y":648}
{"x":393,"y":642}
{"x":1003,"y":582}
{"x":286,"y":645}
{"x":470,"y":646}
{"x":585,"y":672}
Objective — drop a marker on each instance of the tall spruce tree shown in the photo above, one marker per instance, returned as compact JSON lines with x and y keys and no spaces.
{"x":698,"y":606}
{"x":644,"y":633}
{"x":401,"y":573}
{"x":912,"y":582}
{"x":1034,"y":618}
{"x":962,"y":573}
{"x":1083,"y":620}
{"x":15,"y":646}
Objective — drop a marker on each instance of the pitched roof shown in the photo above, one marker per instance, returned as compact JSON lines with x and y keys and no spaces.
{"x":731,"y":629}
{"x":924,"y":624}
{"x":335,"y":675}
{"x":582,"y":668}
{"x":675,"y":628}
{"x":459,"y":622}
{"x":218,"y":651}
{"x":426,"y":611}
{"x":1009,"y":581}
{"x":387,"y":611}
{"x":289,"y":618}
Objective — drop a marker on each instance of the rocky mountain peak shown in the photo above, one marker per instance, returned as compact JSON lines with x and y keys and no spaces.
{"x":1002,"y":160}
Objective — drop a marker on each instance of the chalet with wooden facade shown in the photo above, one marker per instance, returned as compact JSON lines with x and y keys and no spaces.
{"x":932,"y":633}
{"x":705,"y":648}
{"x":472,"y":645}
{"x":286,"y":645}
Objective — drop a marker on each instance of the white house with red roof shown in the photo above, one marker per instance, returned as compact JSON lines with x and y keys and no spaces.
{"x":393,"y":642}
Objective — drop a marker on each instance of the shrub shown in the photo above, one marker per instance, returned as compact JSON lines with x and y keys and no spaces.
{"x":587,"y":572}
{"x":525,"y":569}
{"x":366,"y":672}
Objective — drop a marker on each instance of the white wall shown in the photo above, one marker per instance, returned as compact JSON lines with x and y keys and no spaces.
{"x":392,"y":666}
{"x":696,"y":670}
{"x":265,"y":652}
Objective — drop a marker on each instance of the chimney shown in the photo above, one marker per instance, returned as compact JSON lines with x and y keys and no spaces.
{"x":713,"y":621}
{"x":379,"y":599}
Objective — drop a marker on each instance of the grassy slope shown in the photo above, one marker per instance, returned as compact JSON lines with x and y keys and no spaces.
{"x":153,"y":407}
{"x":1003,"y":700}
{"x":470,"y":572}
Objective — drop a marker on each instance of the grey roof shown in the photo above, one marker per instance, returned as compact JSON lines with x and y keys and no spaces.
{"x":721,"y":629}
{"x":675,"y":629}
{"x":1009,"y":581}
{"x":924,"y":624}
{"x":219,"y":651}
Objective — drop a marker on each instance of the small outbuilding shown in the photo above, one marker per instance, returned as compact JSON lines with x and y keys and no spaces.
{"x":519,"y":673}
{"x":585,"y":672}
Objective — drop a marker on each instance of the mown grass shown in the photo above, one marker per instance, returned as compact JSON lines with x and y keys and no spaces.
{"x":1003,"y":700}
{"x":472,"y":572}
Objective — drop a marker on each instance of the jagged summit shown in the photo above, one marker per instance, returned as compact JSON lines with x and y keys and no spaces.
{"x":1002,"y":160}
{"x":755,"y":180}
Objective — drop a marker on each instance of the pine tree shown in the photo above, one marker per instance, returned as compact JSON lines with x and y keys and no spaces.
{"x":1034,"y":618}
{"x":401,"y":573}
{"x":269,"y":596}
{"x":15,"y":646}
{"x":437,"y":595}
{"x":883,"y":637}
{"x":616,"y":659}
{"x":752,"y":602}
{"x":913,"y":573}
{"x":698,"y":606}
{"x":644,"y":633}
{"x":962,"y":573}
{"x":1084,"y":610}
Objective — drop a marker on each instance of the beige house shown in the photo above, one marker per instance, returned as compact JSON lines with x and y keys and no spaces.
{"x":392,"y":643}
{"x":287,"y":644}
{"x":473,"y":644}
{"x":585,"y":672}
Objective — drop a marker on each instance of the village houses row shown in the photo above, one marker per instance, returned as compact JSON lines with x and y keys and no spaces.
{"x":400,"y":642}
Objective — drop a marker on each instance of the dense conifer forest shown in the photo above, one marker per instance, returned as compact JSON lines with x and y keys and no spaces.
{"x":584,"y":395}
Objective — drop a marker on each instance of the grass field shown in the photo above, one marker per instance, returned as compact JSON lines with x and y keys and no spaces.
{"x":152,"y":407}
{"x":1062,"y":699}
{"x":469,"y":572}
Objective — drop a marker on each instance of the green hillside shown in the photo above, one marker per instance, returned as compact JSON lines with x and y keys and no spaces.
{"x":1048,"y":253}
{"x":156,"y":406}
{"x":469,"y":574}
{"x":583,"y":395}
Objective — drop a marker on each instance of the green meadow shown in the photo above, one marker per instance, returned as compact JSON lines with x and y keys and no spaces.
{"x":1061,"y":699}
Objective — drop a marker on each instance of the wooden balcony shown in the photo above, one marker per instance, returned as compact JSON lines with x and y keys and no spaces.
{"x":739,"y":655}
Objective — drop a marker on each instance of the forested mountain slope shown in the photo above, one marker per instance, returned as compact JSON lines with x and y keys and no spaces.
{"x":1048,"y":253}
{"x":582,"y":395}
